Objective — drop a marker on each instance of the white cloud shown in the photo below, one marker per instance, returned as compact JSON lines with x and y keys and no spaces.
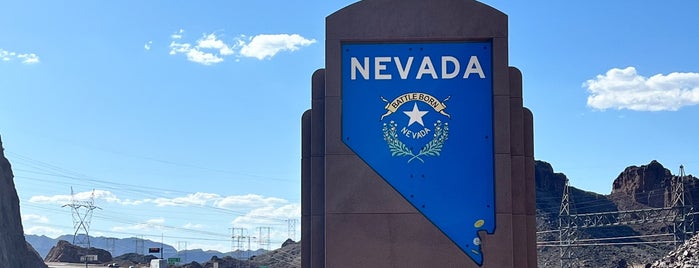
{"x":43,"y":230}
{"x":135,"y":202}
{"x":103,"y":195}
{"x":148,"y":45}
{"x":198,"y":199}
{"x":66,"y":199}
{"x":26,"y":58}
{"x":193,"y":226}
{"x":208,"y":50}
{"x":237,"y":202}
{"x":267,"y":45}
{"x":234,"y":202}
{"x":268,"y":215}
{"x":212,"y":49}
{"x":249,"y":201}
{"x":151,"y":224}
{"x":177,"y":35}
{"x":34,"y":218}
{"x":205,"y":58}
{"x":626,"y":89}
{"x":220,"y":247}
{"x":179,"y":48}
{"x":210,"y":41}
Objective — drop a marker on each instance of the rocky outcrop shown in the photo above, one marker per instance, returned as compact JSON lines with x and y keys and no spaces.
{"x":226,"y":261}
{"x":547,"y":180}
{"x":14,"y":250}
{"x":686,"y":255}
{"x":67,"y":252}
{"x":650,"y":184}
{"x":133,"y":258}
{"x":289,"y":255}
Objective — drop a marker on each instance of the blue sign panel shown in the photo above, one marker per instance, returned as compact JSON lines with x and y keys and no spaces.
{"x":421,"y":115}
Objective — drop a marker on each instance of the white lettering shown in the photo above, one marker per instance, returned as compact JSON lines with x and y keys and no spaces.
{"x":403,"y":71}
{"x":406,"y":132}
{"x":380,"y":66}
{"x":474,"y":67}
{"x":356,"y":66}
{"x":415,"y":135}
{"x":426,"y":67}
{"x":445,"y":73}
{"x":385,"y":67}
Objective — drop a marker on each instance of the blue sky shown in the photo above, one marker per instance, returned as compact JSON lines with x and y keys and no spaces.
{"x":184,"y":117}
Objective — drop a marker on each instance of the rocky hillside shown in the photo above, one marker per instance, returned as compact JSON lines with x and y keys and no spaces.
{"x":651,"y":185}
{"x":14,"y":250}
{"x":636,"y":187}
{"x":289,"y":255}
{"x":66,"y":252}
{"x":686,"y":255}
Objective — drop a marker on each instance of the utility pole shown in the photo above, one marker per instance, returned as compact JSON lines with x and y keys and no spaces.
{"x":82,"y":216}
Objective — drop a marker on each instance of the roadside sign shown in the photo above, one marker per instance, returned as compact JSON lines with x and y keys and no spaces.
{"x":87,"y":258}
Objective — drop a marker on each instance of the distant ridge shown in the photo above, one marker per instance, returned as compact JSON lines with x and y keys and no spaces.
{"x":122,"y":246}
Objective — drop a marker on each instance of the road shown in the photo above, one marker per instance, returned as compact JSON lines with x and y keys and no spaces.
{"x":73,"y":265}
{"x":70,"y":265}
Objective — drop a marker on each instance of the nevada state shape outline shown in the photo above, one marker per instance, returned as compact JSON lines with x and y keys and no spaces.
{"x":453,"y":187}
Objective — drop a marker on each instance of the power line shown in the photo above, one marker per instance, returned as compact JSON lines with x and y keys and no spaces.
{"x":608,"y":238}
{"x":607,"y":244}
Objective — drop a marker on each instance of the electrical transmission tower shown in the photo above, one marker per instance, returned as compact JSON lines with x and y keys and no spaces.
{"x":82,"y":216}
{"x":238,"y":237}
{"x":140,"y":246}
{"x":179,"y":249}
{"x":683,"y":226}
{"x":678,"y":216}
{"x":291,"y":225}
{"x":567,"y":234}
{"x":111,"y":245}
{"x":263,"y":239}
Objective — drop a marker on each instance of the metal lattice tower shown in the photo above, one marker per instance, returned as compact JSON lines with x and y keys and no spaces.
{"x":678,"y":215}
{"x":111,"y":245}
{"x":238,"y":237}
{"x":291,"y":225}
{"x":683,"y":226}
{"x":567,"y":234}
{"x":263,"y":239}
{"x":179,"y":248}
{"x":82,"y":216}
{"x":140,"y":246}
